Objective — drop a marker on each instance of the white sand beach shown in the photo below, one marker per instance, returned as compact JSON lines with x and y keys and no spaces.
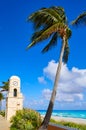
{"x":69,"y":119}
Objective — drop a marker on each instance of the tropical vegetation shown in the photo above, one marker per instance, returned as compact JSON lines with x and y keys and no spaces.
{"x":51,"y":23}
{"x":1,"y":98}
{"x":80,"y":20}
{"x":69,"y":124}
{"x":3,"y":88}
{"x":2,"y":113}
{"x":25,"y":119}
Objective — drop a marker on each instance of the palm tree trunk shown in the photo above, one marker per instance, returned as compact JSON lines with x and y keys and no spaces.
{"x":53,"y":96}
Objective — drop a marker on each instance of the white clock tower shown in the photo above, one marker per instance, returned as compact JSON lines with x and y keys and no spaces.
{"x":15,"y":98}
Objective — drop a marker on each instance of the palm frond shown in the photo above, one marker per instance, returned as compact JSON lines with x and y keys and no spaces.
{"x":54,"y":14}
{"x":53,"y":42}
{"x":5,"y":86}
{"x":46,"y":16}
{"x":36,"y":35}
{"x":68,"y":33}
{"x":41,"y":18}
{"x":50,"y":22}
{"x":37,"y":40}
{"x":61,"y":12}
{"x":54,"y":28}
{"x":81,"y":19}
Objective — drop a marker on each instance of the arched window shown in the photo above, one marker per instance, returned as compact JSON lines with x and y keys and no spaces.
{"x":15,"y":93}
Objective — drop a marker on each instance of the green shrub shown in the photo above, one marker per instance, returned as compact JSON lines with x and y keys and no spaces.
{"x":26,"y":119}
{"x":69,"y":124}
{"x":2,"y":113}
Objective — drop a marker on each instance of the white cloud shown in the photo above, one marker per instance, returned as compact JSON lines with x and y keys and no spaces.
{"x":72,"y":83}
{"x":62,"y":97}
{"x":46,"y":93}
{"x":41,"y":80}
{"x":50,"y":70}
{"x":80,"y":96}
{"x":71,"y":89}
{"x":35,"y":103}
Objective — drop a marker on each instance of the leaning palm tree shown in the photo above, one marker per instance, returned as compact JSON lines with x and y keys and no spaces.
{"x":1,"y":98}
{"x":51,"y":23}
{"x":81,"y":19}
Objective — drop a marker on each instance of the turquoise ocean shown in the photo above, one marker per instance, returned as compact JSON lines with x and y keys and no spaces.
{"x":67,"y":113}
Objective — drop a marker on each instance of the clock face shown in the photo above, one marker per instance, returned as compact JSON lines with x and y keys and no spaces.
{"x":15,"y":83}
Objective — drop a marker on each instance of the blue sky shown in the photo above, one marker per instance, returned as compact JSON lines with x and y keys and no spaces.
{"x":36,"y":70}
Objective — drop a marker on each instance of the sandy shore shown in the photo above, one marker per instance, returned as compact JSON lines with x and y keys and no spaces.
{"x":75,"y":120}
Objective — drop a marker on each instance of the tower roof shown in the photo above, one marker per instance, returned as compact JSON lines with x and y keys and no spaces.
{"x":14,"y":77}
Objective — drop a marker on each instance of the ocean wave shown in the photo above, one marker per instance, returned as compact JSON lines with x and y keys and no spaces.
{"x":65,"y":113}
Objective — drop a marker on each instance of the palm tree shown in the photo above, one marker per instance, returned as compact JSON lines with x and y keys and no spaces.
{"x":51,"y":23}
{"x":5,"y":86}
{"x":81,"y":19}
{"x":1,"y":98}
